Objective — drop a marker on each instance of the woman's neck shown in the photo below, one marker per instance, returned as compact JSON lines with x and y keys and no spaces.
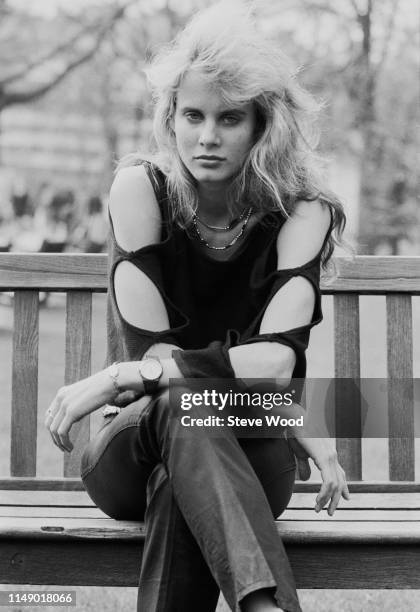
{"x":212,"y":204}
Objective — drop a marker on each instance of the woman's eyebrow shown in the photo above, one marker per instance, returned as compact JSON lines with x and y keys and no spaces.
{"x":223,"y":111}
{"x":185,"y":109}
{"x":236,"y":111}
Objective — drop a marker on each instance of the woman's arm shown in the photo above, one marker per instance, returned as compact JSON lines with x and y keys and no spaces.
{"x":136,"y":220}
{"x":299,"y":241}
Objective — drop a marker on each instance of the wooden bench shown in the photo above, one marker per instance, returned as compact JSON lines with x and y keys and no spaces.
{"x":50,"y":531}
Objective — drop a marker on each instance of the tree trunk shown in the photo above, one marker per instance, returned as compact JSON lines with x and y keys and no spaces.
{"x":367,"y":118}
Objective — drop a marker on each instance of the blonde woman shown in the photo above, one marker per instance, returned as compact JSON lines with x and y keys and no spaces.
{"x":216,"y":247}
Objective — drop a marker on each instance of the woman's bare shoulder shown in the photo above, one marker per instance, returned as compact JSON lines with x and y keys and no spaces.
{"x":302,"y":235}
{"x":133,"y":208}
{"x":313,"y":210}
{"x":129,"y":183}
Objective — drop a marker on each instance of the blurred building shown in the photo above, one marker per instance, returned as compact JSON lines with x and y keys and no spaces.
{"x":46,"y":147}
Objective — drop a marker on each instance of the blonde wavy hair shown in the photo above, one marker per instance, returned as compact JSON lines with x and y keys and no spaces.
{"x":282,"y":166}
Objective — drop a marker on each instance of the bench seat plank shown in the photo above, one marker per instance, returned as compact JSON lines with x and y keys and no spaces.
{"x":88,"y":561}
{"x":363,"y":500}
{"x":307,"y":530}
{"x":80,"y":499}
{"x":54,"y":512}
{"x":291,"y":514}
{"x":323,"y":553}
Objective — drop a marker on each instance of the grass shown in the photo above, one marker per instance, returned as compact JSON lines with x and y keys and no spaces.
{"x":320,"y":364}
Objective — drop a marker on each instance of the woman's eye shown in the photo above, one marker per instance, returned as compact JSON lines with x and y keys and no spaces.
{"x":230,"y":119}
{"x":193,"y":117}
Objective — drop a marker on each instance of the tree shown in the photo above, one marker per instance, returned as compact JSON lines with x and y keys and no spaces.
{"x":360,"y":56}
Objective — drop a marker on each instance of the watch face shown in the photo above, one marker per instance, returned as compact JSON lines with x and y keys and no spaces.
{"x":151,"y":369}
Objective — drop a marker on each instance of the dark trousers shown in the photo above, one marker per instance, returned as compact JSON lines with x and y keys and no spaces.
{"x":208,"y":501}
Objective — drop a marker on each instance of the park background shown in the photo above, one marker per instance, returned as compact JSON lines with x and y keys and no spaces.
{"x":74,"y":99}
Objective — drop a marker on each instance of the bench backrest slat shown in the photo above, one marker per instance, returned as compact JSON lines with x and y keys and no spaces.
{"x":53,"y":271}
{"x":373,"y":275}
{"x":24,"y":383}
{"x":347,"y":366}
{"x":400,"y":386}
{"x":78,"y":366}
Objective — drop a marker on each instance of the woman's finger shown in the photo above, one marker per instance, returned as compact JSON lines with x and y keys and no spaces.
{"x":345,"y":493}
{"x":50,"y":417}
{"x":325,"y":491}
{"x":63,"y":434}
{"x":334,"y":501}
{"x":50,"y":412}
{"x":73,"y":402}
{"x":323,"y":497}
{"x":54,"y":427}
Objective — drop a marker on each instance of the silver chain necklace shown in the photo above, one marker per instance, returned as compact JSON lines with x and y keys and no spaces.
{"x":234,"y":239}
{"x":224,"y":228}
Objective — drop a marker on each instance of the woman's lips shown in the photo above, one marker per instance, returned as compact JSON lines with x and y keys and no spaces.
{"x":210,"y":157}
{"x":210,"y":161}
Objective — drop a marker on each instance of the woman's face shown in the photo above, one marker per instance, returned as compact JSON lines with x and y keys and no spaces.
{"x":212,"y":139}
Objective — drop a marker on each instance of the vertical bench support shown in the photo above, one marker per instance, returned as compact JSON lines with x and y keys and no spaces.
{"x":400,"y":387}
{"x":347,"y":366}
{"x":24,"y":383}
{"x":78,"y":366}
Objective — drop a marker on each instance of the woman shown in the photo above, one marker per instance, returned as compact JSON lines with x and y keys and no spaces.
{"x":216,"y":247}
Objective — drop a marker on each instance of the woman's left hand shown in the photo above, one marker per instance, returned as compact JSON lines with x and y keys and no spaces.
{"x":75,"y":401}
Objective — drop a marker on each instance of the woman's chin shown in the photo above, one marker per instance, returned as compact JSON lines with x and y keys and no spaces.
{"x":210,"y":176}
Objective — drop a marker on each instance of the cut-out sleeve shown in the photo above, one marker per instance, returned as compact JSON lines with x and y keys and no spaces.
{"x":213,"y":362}
{"x":296,"y":338}
{"x":125,"y":341}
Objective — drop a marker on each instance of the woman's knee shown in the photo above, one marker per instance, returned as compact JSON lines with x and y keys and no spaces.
{"x":112,"y":426}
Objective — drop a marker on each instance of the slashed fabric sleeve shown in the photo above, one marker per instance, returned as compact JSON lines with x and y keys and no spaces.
{"x":213,"y":361}
{"x":127,"y":342}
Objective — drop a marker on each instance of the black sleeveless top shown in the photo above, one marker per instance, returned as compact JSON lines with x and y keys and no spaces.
{"x":212,"y":305}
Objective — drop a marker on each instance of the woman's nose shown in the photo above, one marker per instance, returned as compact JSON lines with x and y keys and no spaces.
{"x":209,"y":134}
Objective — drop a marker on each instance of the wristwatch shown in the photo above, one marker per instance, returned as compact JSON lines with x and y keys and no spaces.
{"x":150,"y":371}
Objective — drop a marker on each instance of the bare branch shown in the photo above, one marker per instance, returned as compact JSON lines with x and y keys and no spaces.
{"x":356,"y":8}
{"x":321,"y":7}
{"x":19,"y":97}
{"x":60,"y":48}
